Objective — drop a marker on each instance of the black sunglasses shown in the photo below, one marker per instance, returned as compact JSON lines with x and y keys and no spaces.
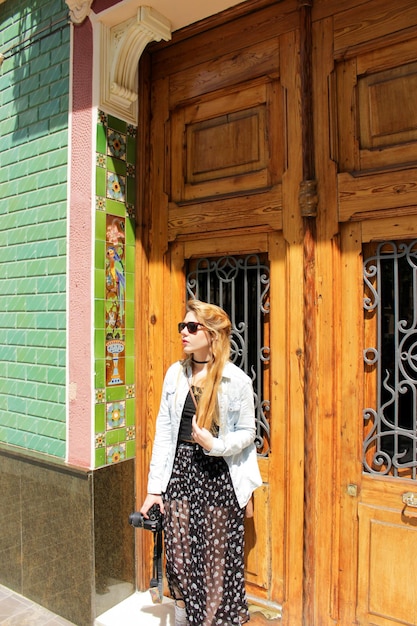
{"x":192,"y":327}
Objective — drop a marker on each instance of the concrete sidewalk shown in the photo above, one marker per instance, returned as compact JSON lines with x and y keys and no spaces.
{"x":136,"y":610}
{"x":16,"y":610}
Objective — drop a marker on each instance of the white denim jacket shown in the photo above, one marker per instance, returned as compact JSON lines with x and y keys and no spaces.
{"x":235,"y":441}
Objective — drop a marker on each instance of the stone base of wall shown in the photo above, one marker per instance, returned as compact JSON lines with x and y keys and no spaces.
{"x":65,"y":541}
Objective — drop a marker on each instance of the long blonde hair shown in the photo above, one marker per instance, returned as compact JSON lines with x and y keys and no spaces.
{"x":218,"y":324}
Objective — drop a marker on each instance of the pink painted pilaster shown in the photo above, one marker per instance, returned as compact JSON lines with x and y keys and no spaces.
{"x":80,"y":283}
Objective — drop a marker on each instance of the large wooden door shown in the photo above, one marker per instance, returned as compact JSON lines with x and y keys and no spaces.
{"x":378,"y":468}
{"x":219,"y":164}
{"x":375,"y":151}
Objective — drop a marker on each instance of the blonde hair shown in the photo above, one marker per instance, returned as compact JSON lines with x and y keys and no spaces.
{"x":218,"y":324}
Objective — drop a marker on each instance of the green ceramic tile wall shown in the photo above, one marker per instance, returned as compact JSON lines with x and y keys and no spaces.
{"x":34,"y":88}
{"x":114,"y":267}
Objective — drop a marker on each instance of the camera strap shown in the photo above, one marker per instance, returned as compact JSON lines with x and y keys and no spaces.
{"x":156,"y":580}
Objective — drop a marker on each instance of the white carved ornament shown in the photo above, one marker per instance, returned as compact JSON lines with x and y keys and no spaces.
{"x":121,"y":46}
{"x":79,"y":9}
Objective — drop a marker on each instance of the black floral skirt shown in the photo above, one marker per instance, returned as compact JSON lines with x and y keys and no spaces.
{"x":204,"y":540}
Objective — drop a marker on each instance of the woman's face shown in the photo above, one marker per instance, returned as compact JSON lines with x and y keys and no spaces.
{"x":198,"y":343}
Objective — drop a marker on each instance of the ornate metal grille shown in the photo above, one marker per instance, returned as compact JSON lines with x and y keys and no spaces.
{"x":390,"y":302}
{"x":240,"y":285}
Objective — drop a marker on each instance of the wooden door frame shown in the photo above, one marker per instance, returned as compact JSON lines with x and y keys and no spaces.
{"x":351,"y":401}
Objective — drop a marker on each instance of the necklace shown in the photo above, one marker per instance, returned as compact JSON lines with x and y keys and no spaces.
{"x":195,"y":361}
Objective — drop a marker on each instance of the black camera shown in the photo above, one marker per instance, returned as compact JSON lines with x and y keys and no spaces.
{"x":154,"y":523}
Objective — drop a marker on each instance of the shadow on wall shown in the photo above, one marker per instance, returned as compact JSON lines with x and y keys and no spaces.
{"x":36,"y":49}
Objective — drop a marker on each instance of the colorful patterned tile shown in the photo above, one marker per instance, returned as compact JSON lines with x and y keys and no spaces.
{"x":102,"y":118}
{"x":115,"y":229}
{"x":101,"y":160}
{"x":111,"y":319}
{"x":115,"y":414}
{"x":130,"y":211}
{"x":116,"y":453}
{"x":130,"y":433}
{"x":100,"y":203}
{"x":116,"y":187}
{"x":100,"y":440}
{"x":100,"y":396}
{"x":131,"y":131}
{"x":114,"y":310}
{"x":115,"y":375}
{"x":130,"y":392}
{"x":116,"y":144}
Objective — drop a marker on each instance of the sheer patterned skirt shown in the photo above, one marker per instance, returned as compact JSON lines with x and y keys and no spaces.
{"x":204,"y":540}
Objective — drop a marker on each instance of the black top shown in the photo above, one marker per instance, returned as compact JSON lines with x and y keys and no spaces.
{"x":188,"y":413}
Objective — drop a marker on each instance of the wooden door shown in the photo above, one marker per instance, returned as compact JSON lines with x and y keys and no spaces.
{"x":219,"y":164}
{"x":378,"y":469}
{"x":218,"y":271}
{"x":375,"y":147}
{"x":221,"y":168}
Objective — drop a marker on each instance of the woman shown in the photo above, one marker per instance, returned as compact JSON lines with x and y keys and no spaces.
{"x":203,"y":472}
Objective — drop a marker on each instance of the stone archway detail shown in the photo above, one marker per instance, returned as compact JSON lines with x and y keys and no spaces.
{"x":121,"y":45}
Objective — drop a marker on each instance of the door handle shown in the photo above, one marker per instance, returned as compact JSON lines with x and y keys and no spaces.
{"x":410,"y":499}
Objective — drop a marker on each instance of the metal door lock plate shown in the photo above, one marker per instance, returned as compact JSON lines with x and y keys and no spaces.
{"x":410,"y":499}
{"x":352,"y":490}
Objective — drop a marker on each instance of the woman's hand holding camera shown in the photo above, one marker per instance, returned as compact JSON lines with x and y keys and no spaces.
{"x":150,"y":500}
